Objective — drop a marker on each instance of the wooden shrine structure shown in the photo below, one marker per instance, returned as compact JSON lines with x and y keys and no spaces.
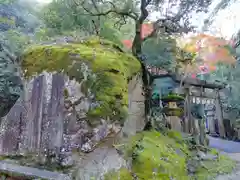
{"x":196,"y":92}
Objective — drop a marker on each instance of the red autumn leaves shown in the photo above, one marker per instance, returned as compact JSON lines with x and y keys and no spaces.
{"x":146,"y":30}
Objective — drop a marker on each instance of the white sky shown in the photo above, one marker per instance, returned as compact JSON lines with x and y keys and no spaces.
{"x":43,"y":1}
{"x":227,"y":21}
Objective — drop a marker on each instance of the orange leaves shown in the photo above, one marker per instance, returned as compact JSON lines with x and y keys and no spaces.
{"x":145,"y":31}
{"x":127,"y":43}
{"x":211,"y":50}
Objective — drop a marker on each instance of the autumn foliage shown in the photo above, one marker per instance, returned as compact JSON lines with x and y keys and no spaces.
{"x":146,"y":30}
{"x":209,"y":50}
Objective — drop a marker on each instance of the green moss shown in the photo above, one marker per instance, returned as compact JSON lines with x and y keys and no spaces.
{"x":111,"y":66}
{"x":164,"y":157}
{"x":211,"y":168}
{"x":173,"y":97}
{"x":161,"y":157}
{"x":122,"y":174}
{"x":9,"y":21}
{"x":177,"y":136}
{"x":173,"y":111}
{"x":157,"y":156}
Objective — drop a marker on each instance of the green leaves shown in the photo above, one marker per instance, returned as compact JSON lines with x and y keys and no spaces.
{"x":7,"y":1}
{"x":160,"y":52}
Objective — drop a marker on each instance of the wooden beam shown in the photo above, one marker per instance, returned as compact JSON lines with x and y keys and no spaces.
{"x":190,"y":81}
{"x":204,"y":95}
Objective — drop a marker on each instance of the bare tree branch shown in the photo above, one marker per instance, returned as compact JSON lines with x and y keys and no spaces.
{"x":113,"y":9}
{"x":169,"y":26}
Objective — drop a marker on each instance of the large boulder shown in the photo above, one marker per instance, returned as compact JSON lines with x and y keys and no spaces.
{"x":102,"y":69}
{"x":75,"y":100}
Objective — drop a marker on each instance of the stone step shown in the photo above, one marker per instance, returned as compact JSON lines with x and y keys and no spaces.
{"x":29,"y":172}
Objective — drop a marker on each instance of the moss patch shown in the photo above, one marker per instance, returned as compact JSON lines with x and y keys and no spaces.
{"x":110,"y":65}
{"x":173,"y":111}
{"x":157,"y":156}
{"x":122,"y":174}
{"x":172,"y":97}
{"x":164,"y":157}
{"x":161,"y":157}
{"x":211,"y":168}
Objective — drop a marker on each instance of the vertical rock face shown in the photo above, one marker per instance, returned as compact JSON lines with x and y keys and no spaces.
{"x":34,"y":117}
{"x":11,"y":127}
{"x":55,"y":113}
{"x":39,"y":121}
{"x":136,"y":119}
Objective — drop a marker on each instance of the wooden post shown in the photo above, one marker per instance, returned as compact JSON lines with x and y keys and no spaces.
{"x":189,"y":116}
{"x":201,"y":123}
{"x":185,"y":122}
{"x":219,"y":115}
{"x":211,"y":125}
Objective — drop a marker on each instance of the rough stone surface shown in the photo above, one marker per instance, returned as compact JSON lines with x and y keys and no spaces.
{"x":99,"y":162}
{"x":31,"y":172}
{"x":42,"y":122}
{"x":136,"y":118}
{"x":208,"y":156}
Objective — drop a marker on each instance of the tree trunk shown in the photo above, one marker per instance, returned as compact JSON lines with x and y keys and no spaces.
{"x":137,"y":52}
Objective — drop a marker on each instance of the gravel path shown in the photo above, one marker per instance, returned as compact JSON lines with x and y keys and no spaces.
{"x":224,"y":145}
{"x":231,"y":149}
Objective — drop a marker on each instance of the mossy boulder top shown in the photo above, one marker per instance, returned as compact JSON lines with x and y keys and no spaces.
{"x":112,"y":69}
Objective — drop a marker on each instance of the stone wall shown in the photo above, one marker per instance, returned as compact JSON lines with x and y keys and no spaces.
{"x":136,"y":117}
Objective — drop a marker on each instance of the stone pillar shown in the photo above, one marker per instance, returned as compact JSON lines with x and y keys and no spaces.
{"x":175,"y":123}
{"x":211,"y":125}
{"x":136,"y":119}
{"x":219,"y":116}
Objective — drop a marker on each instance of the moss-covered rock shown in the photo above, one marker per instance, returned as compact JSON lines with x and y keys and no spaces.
{"x":157,"y":156}
{"x":122,"y":174}
{"x":167,"y":156}
{"x":161,"y":157}
{"x":112,"y":68}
